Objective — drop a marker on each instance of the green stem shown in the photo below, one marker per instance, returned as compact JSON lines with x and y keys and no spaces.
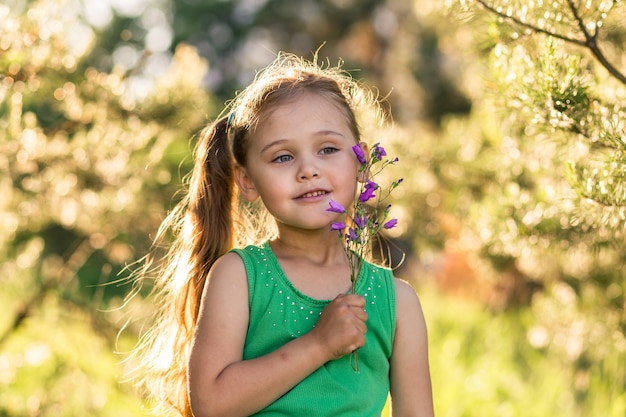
{"x":354,"y":275}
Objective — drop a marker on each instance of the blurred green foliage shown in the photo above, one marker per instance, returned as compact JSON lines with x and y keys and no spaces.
{"x":553,"y":211}
{"x":489,"y":364}
{"x":86,"y":172}
{"x":510,"y":132}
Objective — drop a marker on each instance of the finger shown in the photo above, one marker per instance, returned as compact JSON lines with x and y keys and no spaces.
{"x":359,"y":313}
{"x":361,"y":342}
{"x":355,"y":300}
{"x":362,"y":328}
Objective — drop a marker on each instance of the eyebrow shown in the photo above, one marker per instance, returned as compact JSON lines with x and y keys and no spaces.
{"x":273,"y":143}
{"x":325,"y":132}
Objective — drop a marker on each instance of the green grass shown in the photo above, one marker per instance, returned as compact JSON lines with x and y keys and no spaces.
{"x":482,"y":364}
{"x":59,"y":363}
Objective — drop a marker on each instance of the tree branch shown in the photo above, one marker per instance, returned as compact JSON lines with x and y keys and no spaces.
{"x":590,"y":41}
{"x":526,"y":25}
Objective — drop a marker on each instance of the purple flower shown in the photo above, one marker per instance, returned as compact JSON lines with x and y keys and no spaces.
{"x":360,"y":220}
{"x":335,"y":207}
{"x":391,"y":223}
{"x":396,"y":183}
{"x":367,"y":195}
{"x":379,"y":152}
{"x":352,"y":235}
{"x":360,"y":155}
{"x":337,"y":226}
{"x":364,"y":223}
{"x":368,"y":192}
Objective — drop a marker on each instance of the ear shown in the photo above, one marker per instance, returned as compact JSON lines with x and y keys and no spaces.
{"x":363,"y":175}
{"x":245,"y":184}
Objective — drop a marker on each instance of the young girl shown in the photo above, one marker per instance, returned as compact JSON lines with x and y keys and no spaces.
{"x":257,"y":316}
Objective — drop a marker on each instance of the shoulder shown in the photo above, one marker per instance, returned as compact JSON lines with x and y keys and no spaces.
{"x":404,"y":291}
{"x":228,"y":275}
{"x":229,"y":263}
{"x":408,"y":306}
{"x":224,"y":299}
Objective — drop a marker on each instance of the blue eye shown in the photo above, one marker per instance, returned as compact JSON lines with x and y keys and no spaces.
{"x":282,"y":158}
{"x":328,"y":150}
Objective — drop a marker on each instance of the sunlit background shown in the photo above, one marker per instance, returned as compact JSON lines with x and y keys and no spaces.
{"x":509,"y":121}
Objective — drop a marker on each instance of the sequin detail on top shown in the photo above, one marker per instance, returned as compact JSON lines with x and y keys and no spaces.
{"x":279,"y":313}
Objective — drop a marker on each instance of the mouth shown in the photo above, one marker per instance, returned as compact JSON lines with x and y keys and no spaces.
{"x":312,"y":194}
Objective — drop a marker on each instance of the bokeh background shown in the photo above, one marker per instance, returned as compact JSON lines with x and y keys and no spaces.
{"x":510,"y":127}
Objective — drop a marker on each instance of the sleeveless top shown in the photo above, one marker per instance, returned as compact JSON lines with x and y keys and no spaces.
{"x":279,"y":312}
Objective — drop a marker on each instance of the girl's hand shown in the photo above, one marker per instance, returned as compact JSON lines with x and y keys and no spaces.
{"x":341,"y":328}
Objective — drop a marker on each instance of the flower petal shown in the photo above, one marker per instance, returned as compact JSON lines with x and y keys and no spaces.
{"x":335,"y":207}
{"x":360,"y":155}
{"x":360,"y":220}
{"x":391,"y":223}
{"x":371,"y":185}
{"x":337,"y":226}
{"x":367,"y":194}
{"x":378,"y":152}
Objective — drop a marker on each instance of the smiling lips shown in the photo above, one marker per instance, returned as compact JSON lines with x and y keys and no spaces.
{"x":313,"y":194}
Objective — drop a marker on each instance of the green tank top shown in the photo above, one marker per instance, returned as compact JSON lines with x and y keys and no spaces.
{"x":280,"y":313}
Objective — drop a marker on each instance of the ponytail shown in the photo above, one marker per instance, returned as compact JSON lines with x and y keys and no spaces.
{"x":208,"y":220}
{"x":202,"y":228}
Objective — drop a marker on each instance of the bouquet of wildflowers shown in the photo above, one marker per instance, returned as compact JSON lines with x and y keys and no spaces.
{"x":368,"y":215}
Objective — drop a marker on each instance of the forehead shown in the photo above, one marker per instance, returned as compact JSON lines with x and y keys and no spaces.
{"x":305,"y":107}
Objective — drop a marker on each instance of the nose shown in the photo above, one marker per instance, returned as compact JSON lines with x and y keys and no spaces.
{"x":308,"y":169}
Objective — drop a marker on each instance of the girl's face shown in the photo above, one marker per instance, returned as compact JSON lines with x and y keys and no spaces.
{"x":301,"y":157}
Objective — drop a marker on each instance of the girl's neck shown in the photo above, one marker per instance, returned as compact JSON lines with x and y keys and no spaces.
{"x":322,"y":249}
{"x":317,"y":267}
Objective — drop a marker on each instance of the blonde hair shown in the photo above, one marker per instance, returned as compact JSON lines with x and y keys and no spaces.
{"x":211,"y":219}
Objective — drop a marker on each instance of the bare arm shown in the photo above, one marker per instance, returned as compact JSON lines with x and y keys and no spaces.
{"x":221,"y":383}
{"x":411,"y":392}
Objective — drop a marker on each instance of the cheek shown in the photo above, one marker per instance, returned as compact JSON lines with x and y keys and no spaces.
{"x":352,"y":178}
{"x":356,"y":173}
{"x":272,"y":190}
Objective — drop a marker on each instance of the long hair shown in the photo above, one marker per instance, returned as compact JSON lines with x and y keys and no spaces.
{"x":211,"y":218}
